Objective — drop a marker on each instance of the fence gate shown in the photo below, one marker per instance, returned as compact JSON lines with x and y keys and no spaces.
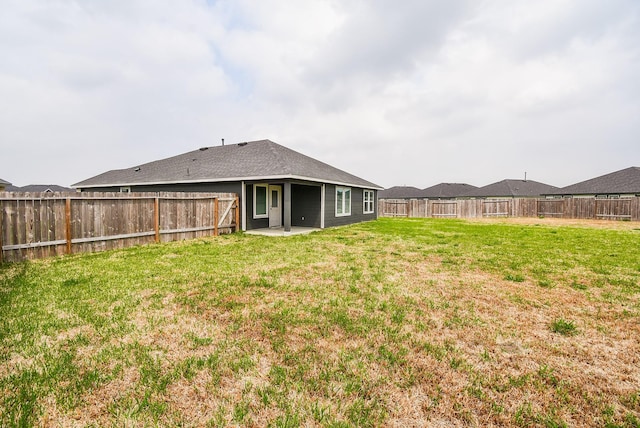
{"x":550,"y":208}
{"x":444,"y":209}
{"x":394,"y":208}
{"x":613,"y":209}
{"x":496,"y":208}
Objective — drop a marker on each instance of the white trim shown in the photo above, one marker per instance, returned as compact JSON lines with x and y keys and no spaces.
{"x":243,"y":192}
{"x":322,"y":205}
{"x":364,"y":201}
{"x":266,"y":200}
{"x":344,"y":205}
{"x":224,"y":180}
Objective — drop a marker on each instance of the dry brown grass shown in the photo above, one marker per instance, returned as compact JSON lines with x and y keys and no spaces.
{"x":560,"y":222}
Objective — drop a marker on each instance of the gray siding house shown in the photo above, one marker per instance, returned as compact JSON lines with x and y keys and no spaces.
{"x":40,"y":188}
{"x":448,"y":191}
{"x":277,"y":186}
{"x":619,"y":184}
{"x":512,"y":189}
{"x":439,"y":191}
{"x":400,"y":192}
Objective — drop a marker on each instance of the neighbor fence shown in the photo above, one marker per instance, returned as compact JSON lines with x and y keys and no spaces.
{"x":39,"y":225}
{"x":574,"y":208}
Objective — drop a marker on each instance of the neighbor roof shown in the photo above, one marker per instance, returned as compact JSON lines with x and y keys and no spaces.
{"x":400,"y":192}
{"x":448,"y":190}
{"x":512,"y":188}
{"x":4,"y":183}
{"x":253,"y":160}
{"x":40,"y":188}
{"x":618,"y":182}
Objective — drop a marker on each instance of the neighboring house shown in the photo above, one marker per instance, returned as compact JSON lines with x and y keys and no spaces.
{"x":619,"y":184}
{"x":439,"y":191}
{"x":3,"y":185}
{"x":276,"y":185}
{"x":400,"y":192}
{"x":512,"y":189}
{"x":448,"y":191}
{"x":40,"y":188}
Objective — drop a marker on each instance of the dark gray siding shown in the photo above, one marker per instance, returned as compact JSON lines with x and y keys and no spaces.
{"x":305,"y":205}
{"x":357,"y":207}
{"x":253,"y":223}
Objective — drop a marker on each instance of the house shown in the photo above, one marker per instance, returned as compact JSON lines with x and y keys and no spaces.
{"x":40,"y":188}
{"x":400,"y":192}
{"x":507,"y":189}
{"x":448,"y":191}
{"x":277,"y":186}
{"x":3,"y":185}
{"x":439,"y":191}
{"x":619,"y":184}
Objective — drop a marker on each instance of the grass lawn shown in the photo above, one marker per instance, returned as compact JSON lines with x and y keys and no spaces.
{"x":397,"y":322}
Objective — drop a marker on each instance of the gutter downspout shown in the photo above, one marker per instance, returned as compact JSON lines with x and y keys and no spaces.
{"x":322,"y":207}
{"x":243,"y":192}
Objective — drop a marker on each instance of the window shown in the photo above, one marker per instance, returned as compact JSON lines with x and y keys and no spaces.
{"x":343,"y":201}
{"x":260,"y":201}
{"x":125,"y":190}
{"x":368,"y":202}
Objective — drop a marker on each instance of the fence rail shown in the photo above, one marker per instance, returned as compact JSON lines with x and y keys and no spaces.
{"x":574,"y":208}
{"x":39,"y":225}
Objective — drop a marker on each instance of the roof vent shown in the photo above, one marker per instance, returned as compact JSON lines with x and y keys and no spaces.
{"x":202,"y":149}
{"x":136,"y":169}
{"x":242,"y":144}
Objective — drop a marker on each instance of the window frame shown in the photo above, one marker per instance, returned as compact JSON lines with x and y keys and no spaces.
{"x":256,"y":215}
{"x":368,"y":200}
{"x":344,"y":206}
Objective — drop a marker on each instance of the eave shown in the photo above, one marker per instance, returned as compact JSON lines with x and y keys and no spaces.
{"x":226,"y":180}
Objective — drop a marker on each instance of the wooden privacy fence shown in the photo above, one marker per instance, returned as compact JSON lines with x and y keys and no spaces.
{"x":39,"y":225}
{"x":575,"y":208}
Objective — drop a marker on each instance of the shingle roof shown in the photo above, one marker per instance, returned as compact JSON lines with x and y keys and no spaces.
{"x":448,"y":190}
{"x":400,"y":192}
{"x":4,"y":183}
{"x":39,"y":188}
{"x":619,"y":182}
{"x":262,"y":159}
{"x":512,"y":188}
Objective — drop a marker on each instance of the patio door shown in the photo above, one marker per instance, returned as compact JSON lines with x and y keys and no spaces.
{"x":275,"y":210}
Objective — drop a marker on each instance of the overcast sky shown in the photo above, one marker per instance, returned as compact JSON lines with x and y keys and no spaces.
{"x":411,"y":92}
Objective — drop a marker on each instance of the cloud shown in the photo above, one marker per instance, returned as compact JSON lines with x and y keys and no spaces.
{"x":414,"y":93}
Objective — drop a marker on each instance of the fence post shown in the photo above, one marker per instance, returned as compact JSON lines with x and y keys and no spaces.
{"x":216,"y":214}
{"x":156,"y":218}
{"x":67,"y":217}
{"x":237,"y":202}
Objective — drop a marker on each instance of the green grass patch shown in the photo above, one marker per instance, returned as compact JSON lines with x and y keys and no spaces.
{"x":564,"y":327}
